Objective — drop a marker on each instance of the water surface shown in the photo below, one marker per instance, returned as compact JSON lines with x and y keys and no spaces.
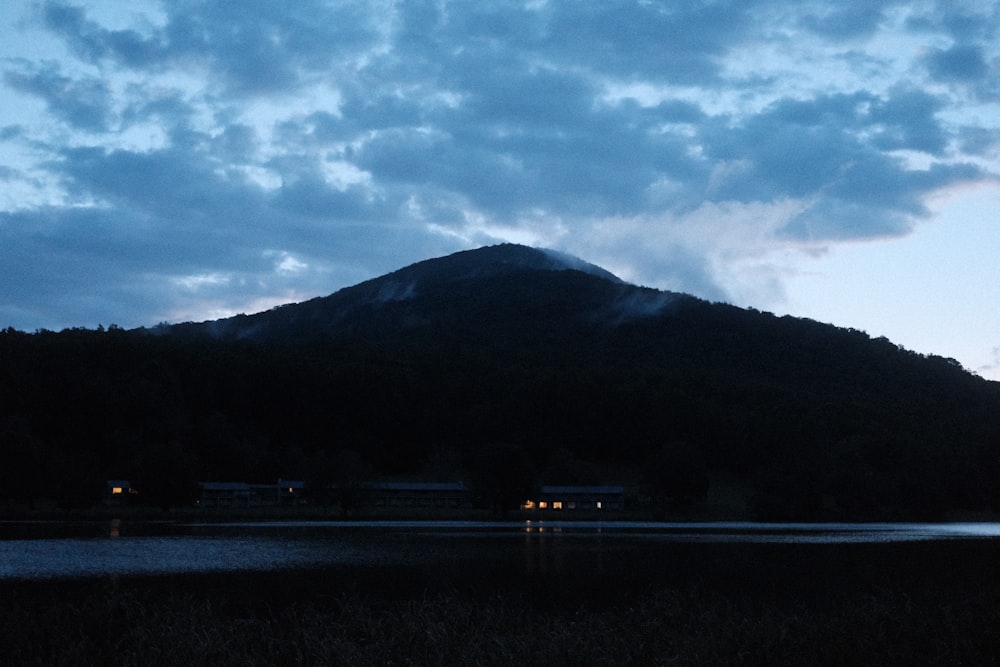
{"x":35,"y":550}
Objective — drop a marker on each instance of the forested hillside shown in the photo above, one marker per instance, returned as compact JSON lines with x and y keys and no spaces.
{"x":415,"y":374}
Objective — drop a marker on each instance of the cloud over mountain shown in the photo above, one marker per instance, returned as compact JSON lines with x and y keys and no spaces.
{"x":184,"y":160}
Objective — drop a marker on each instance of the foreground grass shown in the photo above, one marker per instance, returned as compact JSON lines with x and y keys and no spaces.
{"x":321,"y":618}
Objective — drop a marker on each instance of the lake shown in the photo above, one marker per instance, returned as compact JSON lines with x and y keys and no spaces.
{"x":447,"y":549}
{"x":488,"y":593}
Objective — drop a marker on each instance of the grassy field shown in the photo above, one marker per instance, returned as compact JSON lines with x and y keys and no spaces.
{"x":927,"y":610}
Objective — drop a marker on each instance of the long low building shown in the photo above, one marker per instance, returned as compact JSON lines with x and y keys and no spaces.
{"x":419,"y":494}
{"x":445,"y":495}
{"x":241,"y":494}
{"x":455,"y":494}
{"x":611,"y":498}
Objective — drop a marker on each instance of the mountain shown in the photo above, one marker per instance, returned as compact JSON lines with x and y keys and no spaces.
{"x":458,"y":290}
{"x":418,"y":373}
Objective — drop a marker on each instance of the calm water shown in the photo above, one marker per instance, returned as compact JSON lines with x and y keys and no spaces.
{"x":39,"y":550}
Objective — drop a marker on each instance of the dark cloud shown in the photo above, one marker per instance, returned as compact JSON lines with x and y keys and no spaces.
{"x":878,"y":199}
{"x":833,"y":149}
{"x":78,"y":266}
{"x":83,"y":103}
{"x":962,"y":21}
{"x":979,"y":141}
{"x":319,"y":129}
{"x":171,"y":183}
{"x":312,"y":197}
{"x":237,"y":144}
{"x":907,"y":120}
{"x":575,"y":158}
{"x":680,"y":43}
{"x":10,"y":132}
{"x":366,"y":110}
{"x":252,"y":47}
{"x":966,"y":67}
{"x":510,"y":94}
{"x":846,"y":20}
{"x":93,"y":43}
{"x":961,"y":63}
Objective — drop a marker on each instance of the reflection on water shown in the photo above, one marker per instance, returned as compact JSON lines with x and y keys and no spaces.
{"x":42,"y":550}
{"x":157,"y":555}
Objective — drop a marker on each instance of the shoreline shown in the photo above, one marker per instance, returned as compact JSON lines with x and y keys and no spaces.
{"x":313,"y":513}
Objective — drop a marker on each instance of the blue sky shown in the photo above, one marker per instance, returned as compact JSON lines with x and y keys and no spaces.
{"x":191,"y":160}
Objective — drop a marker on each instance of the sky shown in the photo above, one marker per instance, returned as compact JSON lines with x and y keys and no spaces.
{"x":181,"y":160}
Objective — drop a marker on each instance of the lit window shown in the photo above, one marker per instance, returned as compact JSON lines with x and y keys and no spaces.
{"x":529,"y":504}
{"x":542,"y":505}
{"x":116,"y":490}
{"x":291,"y":490}
{"x":600,"y":505}
{"x":557,"y":504}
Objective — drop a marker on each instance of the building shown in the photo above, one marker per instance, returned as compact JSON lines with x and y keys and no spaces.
{"x":227,"y":494}
{"x":118,"y":492}
{"x":418,"y":494}
{"x":241,"y":494}
{"x":599,"y":498}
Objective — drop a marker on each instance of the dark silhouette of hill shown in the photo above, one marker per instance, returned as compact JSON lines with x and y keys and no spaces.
{"x":416,"y":372}
{"x":465,"y":290}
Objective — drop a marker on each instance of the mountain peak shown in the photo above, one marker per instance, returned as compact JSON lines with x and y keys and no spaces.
{"x":412,"y":294}
{"x":496,"y":260}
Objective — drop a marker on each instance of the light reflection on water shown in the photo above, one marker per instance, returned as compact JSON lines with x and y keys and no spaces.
{"x":29,"y":551}
{"x":160,"y":555}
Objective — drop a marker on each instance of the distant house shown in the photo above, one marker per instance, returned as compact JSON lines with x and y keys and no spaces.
{"x":419,"y":494}
{"x":611,"y":498}
{"x":228,"y":494}
{"x":118,"y":492}
{"x":241,"y":494}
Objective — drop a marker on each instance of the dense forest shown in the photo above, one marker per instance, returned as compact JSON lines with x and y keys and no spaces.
{"x":424,"y":373}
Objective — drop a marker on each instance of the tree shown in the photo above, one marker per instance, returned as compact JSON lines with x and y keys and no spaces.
{"x":564,"y":468}
{"x":678,"y":473}
{"x":77,"y":484}
{"x":351,"y":477}
{"x":165,"y":476}
{"x":25,"y":473}
{"x":502,"y":476}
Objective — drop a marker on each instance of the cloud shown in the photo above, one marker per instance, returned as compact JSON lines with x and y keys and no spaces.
{"x":294,"y":148}
{"x":845,"y":21}
{"x":979,"y":141}
{"x":960,"y":21}
{"x":93,"y":43}
{"x":252,"y":47}
{"x":961,"y":63}
{"x":83,"y":103}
